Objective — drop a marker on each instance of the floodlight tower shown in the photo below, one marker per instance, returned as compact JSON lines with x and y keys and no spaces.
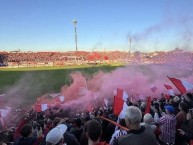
{"x":130,"y":40}
{"x":75,"y":23}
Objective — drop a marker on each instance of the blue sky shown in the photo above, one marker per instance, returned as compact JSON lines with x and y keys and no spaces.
{"x":46,"y":25}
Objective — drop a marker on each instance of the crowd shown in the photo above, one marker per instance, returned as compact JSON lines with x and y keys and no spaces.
{"x":22,"y":57}
{"x":172,"y":57}
{"x":164,"y":121}
{"x":3,"y":59}
{"x":62,"y":56}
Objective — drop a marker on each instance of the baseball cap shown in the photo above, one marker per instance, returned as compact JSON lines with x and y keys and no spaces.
{"x":56,"y":134}
{"x":170,"y":108}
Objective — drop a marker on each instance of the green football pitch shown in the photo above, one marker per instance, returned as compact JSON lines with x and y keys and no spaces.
{"x":30,"y":83}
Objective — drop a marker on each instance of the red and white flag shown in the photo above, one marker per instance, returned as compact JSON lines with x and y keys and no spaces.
{"x":119,"y":99}
{"x":123,"y":111}
{"x":41,"y":107}
{"x":59,"y":99}
{"x":170,"y":90}
{"x":181,"y":85}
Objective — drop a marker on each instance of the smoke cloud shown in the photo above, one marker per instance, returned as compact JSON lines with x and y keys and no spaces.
{"x":136,"y":80}
{"x":175,"y":25}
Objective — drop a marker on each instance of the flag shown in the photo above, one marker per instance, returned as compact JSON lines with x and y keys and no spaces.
{"x":89,"y":107}
{"x":181,"y":85}
{"x":119,"y":99}
{"x":41,"y":107}
{"x":170,"y":90}
{"x":153,"y":88}
{"x":4,"y":112}
{"x":106,"y":103}
{"x":123,"y":111}
{"x":148,"y":105}
{"x":2,"y":124}
{"x":167,"y":97}
{"x":59,"y":99}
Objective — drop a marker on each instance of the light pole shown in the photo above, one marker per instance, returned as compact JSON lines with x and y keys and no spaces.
{"x":130,"y":40}
{"x":130,"y":44}
{"x":75,"y":23}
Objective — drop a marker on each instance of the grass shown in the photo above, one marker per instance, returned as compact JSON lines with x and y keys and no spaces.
{"x":30,"y":83}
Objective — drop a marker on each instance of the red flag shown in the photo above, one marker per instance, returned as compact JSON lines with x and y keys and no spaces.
{"x":167,"y":97}
{"x":148,"y":105}
{"x":59,"y":99}
{"x":181,"y":85}
{"x":89,"y":108}
{"x":118,"y":102}
{"x":170,"y":90}
{"x":168,"y":87}
{"x":41,"y":107}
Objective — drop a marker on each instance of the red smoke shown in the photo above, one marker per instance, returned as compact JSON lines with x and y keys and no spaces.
{"x":136,"y":80}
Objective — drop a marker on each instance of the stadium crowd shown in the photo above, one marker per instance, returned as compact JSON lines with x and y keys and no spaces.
{"x":164,"y":121}
{"x":18,"y":57}
{"x":172,"y":57}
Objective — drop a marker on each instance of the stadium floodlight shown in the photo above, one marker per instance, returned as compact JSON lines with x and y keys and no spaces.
{"x":75,"y":23}
{"x":130,"y":40}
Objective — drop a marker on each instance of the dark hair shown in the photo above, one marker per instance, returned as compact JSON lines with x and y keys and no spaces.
{"x":93,"y":129}
{"x":190,"y":96}
{"x":184,"y":106}
{"x":78,"y":122}
{"x":156,"y":106}
{"x":26,"y":130}
{"x":122,"y":122}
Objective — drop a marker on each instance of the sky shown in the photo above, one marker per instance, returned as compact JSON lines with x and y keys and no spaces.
{"x":46,"y":25}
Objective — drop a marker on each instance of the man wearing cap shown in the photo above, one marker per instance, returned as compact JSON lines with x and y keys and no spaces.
{"x":168,"y":126}
{"x":55,"y":136}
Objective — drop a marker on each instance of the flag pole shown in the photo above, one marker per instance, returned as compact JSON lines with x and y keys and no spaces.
{"x":114,"y":123}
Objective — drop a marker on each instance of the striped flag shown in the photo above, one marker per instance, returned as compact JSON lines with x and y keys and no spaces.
{"x":120,"y":97}
{"x":41,"y":107}
{"x":170,"y":90}
{"x":181,"y":85}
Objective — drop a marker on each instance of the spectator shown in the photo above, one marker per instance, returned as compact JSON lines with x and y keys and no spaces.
{"x":119,"y":132}
{"x":27,"y":138}
{"x":149,"y":121}
{"x":186,"y":131}
{"x":70,"y":139}
{"x":93,"y":132}
{"x":181,"y":118}
{"x":78,"y":129}
{"x":56,"y":135}
{"x":168,"y":126}
{"x":137,"y":135}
